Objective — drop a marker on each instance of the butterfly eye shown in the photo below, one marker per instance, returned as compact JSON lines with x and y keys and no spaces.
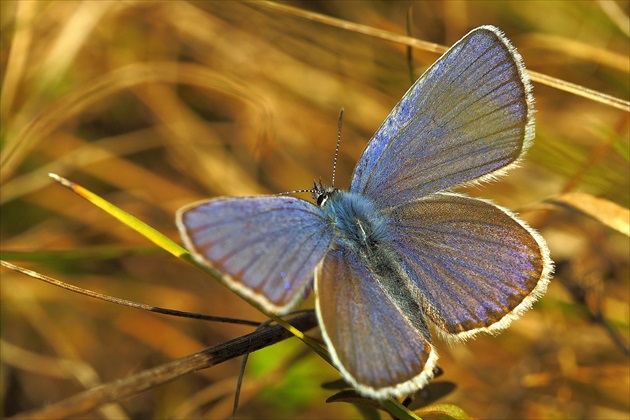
{"x":322,"y":193}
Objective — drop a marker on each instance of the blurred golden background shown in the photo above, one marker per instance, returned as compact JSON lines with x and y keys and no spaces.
{"x":153,"y":105}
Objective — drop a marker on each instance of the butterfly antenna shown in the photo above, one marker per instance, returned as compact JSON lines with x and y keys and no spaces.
{"x":295,"y":192}
{"x":312,"y":190}
{"x":339,"y":122}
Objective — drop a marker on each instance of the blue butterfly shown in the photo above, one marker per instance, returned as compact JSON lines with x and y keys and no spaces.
{"x":398,"y":251}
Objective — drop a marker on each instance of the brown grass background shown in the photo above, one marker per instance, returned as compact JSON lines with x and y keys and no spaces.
{"x":153,"y":105}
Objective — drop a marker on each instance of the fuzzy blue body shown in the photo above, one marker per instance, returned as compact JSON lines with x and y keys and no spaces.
{"x":358,"y":225}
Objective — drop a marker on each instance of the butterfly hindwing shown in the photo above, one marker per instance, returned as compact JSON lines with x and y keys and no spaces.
{"x":268,"y":247}
{"x":467,"y":117}
{"x":375,"y":331}
{"x":475,"y":264}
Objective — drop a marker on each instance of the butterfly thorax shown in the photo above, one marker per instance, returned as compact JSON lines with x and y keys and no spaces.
{"x":354,"y":217}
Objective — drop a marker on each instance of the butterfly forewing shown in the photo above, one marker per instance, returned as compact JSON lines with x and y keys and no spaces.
{"x":476,"y":265}
{"x":376,"y":333}
{"x":267,"y":246}
{"x":467,"y":117}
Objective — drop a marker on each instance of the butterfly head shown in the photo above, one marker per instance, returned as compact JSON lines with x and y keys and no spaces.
{"x":321,"y":193}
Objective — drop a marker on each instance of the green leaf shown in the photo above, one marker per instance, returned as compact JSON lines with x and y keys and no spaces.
{"x":442,"y":412}
{"x":136,"y":224}
{"x":431,"y":393}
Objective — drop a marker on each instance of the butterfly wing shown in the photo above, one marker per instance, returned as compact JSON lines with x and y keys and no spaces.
{"x":466,"y":118}
{"x":376,"y":334}
{"x":267,"y":247}
{"x":477,"y":266}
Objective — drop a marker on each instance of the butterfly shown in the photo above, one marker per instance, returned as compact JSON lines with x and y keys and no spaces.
{"x":399,"y":253}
